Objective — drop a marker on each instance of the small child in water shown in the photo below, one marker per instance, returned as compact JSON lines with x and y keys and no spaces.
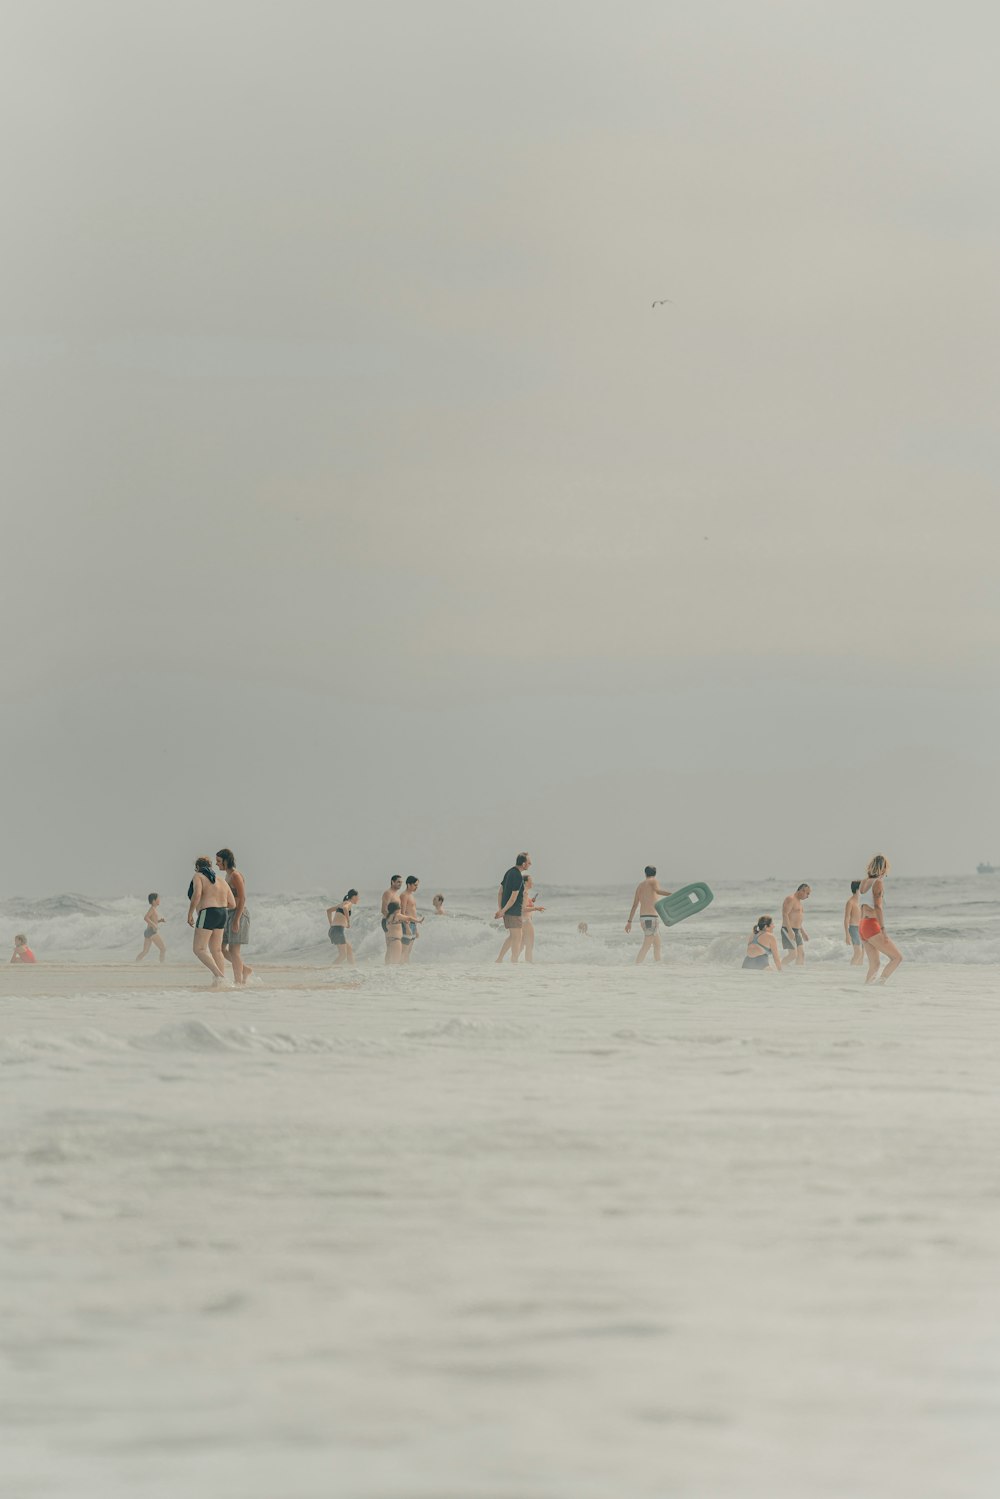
{"x":22,"y":952}
{"x":150,"y":933}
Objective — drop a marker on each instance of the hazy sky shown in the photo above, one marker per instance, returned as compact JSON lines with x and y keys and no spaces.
{"x":361,"y":512}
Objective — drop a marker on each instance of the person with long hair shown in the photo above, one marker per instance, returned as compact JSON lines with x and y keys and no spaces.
{"x":762,"y":946}
{"x":528,"y":910}
{"x":339,"y":918}
{"x":395,"y":927}
{"x":871,"y":928}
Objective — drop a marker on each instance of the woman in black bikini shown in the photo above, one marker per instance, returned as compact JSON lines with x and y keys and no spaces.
{"x":339,"y":918}
{"x":763,"y":946}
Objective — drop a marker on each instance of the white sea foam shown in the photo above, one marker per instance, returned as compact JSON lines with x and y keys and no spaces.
{"x":935,"y":920}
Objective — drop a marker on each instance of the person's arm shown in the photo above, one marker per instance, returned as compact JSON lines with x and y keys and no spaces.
{"x":847,"y":922}
{"x":15,"y":956}
{"x":877,"y":893}
{"x":512,"y":897}
{"x":635,"y":907}
{"x":230,"y":897}
{"x":329,"y":915}
{"x":663,"y":892}
{"x":196,"y":885}
{"x":771,"y":941}
{"x":785,"y":908}
{"x":239,"y":893}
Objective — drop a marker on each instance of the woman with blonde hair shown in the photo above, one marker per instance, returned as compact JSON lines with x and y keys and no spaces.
{"x":872,"y":926}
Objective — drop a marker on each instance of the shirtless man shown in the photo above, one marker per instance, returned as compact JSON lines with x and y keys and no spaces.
{"x":237,"y":930}
{"x":208,"y":901}
{"x":852,"y":923}
{"x":395,"y":884}
{"x":408,"y":911}
{"x":793,"y":933}
{"x":646,"y":895}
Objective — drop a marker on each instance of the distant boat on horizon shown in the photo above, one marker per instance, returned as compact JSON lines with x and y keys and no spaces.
{"x":987,"y":869}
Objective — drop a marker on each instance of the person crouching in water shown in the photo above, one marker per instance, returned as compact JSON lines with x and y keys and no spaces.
{"x":209,"y":900}
{"x":151,"y":936}
{"x":339,"y":918}
{"x":395,"y":928}
{"x":22,"y":952}
{"x":763,"y":946}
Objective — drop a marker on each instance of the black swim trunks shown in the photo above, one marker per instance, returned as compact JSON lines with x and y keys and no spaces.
{"x":212,"y":919}
{"x":786,"y":941}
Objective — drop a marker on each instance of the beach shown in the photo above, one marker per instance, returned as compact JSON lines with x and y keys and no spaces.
{"x":462,"y":1232}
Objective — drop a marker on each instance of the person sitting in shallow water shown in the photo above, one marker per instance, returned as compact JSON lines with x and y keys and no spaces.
{"x":763,"y":946}
{"x":438,"y":904}
{"x":22,"y":952}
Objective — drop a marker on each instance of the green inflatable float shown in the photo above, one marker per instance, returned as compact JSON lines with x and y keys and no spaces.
{"x":684,"y":903}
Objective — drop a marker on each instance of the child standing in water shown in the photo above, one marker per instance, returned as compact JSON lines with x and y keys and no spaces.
{"x":852,"y":924}
{"x":151,"y":936}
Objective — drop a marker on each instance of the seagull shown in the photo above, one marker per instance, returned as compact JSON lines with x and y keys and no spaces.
{"x":663,"y":302}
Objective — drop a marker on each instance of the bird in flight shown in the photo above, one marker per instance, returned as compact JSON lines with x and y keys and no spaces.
{"x":663,"y":302}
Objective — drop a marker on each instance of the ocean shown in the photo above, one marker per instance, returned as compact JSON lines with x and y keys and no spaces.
{"x":451,"y":1231}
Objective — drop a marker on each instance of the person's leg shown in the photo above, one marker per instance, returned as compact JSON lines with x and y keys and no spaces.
{"x":516,"y":943}
{"x":236,"y":958}
{"x":528,"y":945}
{"x":215,"y":948}
{"x":859,"y":956}
{"x":871,"y":953}
{"x":647,"y":942}
{"x":158,"y":941}
{"x":348,"y":953}
{"x":506,"y":947}
{"x":203,"y":952}
{"x":657,"y":949}
{"x":892,"y":952}
{"x":147,"y":944}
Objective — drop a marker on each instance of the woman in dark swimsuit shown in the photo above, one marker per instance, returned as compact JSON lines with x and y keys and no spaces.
{"x":763,"y":946}
{"x":339,"y":918}
{"x":394,"y":927}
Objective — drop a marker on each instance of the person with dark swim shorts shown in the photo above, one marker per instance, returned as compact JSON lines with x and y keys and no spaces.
{"x":408,"y":906}
{"x":150,"y":935}
{"x":339,"y":918}
{"x":392,"y":894}
{"x":852,"y":925}
{"x":209,"y":901}
{"x":793,"y":933}
{"x":510,"y":907}
{"x":763,"y":946}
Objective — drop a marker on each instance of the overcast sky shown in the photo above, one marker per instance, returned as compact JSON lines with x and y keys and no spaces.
{"x":362,"y":513}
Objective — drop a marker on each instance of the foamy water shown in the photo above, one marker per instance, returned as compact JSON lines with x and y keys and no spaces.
{"x":936,"y":920}
{"x":469,"y":1233}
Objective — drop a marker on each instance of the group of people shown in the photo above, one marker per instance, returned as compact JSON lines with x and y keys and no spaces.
{"x":864,"y":929}
{"x":400,"y":920}
{"x":217,"y":910}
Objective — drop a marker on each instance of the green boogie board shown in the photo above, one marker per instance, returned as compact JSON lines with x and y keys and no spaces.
{"x":684,"y":903}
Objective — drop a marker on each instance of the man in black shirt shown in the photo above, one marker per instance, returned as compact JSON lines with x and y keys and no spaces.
{"x":510,"y":900}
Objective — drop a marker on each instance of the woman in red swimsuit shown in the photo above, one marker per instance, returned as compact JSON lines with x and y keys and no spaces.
{"x":872,"y":926}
